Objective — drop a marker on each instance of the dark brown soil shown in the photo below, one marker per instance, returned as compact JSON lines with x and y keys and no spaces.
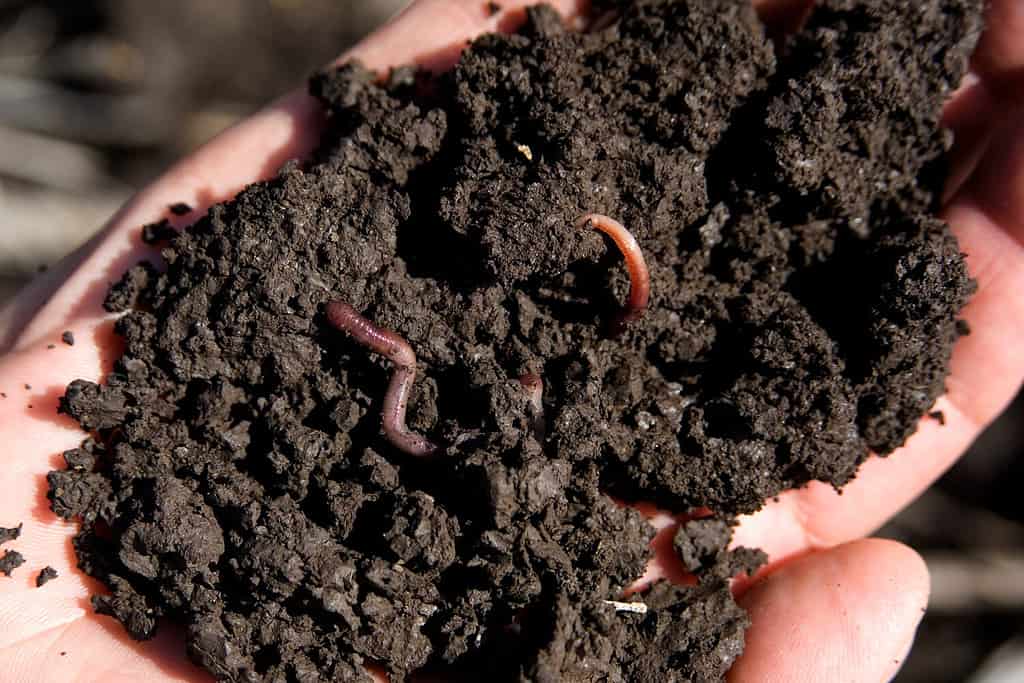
{"x":10,"y":561}
{"x":804,"y":305}
{"x":46,"y":575}
{"x":9,"y":534}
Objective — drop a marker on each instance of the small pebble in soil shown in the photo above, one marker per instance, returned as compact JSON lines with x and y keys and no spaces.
{"x":11,"y":560}
{"x":9,"y":534}
{"x":68,"y":338}
{"x":46,"y":575}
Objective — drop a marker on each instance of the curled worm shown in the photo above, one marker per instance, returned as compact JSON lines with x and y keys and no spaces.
{"x":639,"y":276}
{"x":397,"y":350}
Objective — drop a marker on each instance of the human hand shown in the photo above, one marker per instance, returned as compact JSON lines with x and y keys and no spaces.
{"x":828,"y":604}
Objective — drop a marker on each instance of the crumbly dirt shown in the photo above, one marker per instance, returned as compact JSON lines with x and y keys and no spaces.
{"x":804,"y":305}
{"x":45,"y":576}
{"x":10,"y":561}
{"x":9,"y":534}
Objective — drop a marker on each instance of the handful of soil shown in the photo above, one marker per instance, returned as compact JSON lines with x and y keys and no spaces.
{"x":804,"y":303}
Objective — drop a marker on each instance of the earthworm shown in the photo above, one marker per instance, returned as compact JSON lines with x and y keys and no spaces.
{"x":639,"y":276}
{"x":534,"y":386}
{"x":390,"y":345}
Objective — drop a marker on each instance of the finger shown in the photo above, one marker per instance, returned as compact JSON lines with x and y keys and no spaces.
{"x":429,"y":32}
{"x":36,"y":624}
{"x":987,"y":215}
{"x":53,"y":624}
{"x":986,"y":374}
{"x":33,"y":439}
{"x":987,"y":370}
{"x":968,"y":113}
{"x":999,"y":58}
{"x":664,"y":563}
{"x":996,"y":187}
{"x":95,"y":650}
{"x":844,"y":614}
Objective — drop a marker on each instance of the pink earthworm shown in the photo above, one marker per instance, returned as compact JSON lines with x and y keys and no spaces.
{"x":397,"y":350}
{"x":639,"y":276}
{"x":534,"y":386}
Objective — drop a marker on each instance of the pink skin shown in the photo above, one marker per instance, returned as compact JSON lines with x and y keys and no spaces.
{"x":639,"y":276}
{"x":397,"y":350}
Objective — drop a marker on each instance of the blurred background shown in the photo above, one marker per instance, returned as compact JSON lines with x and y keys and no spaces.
{"x":98,"y":96}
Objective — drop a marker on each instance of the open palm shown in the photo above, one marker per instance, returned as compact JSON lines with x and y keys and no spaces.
{"x":828,"y":603}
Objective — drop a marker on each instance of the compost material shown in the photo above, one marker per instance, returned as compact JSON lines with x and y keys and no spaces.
{"x":9,"y":534}
{"x":803,"y":306}
{"x":10,"y":561}
{"x":45,"y":576}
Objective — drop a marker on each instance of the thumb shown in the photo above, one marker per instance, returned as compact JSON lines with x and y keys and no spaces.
{"x":848,"y":613}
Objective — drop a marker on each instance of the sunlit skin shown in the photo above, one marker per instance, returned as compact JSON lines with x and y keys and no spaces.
{"x":396,"y":398}
{"x":831,"y":605}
